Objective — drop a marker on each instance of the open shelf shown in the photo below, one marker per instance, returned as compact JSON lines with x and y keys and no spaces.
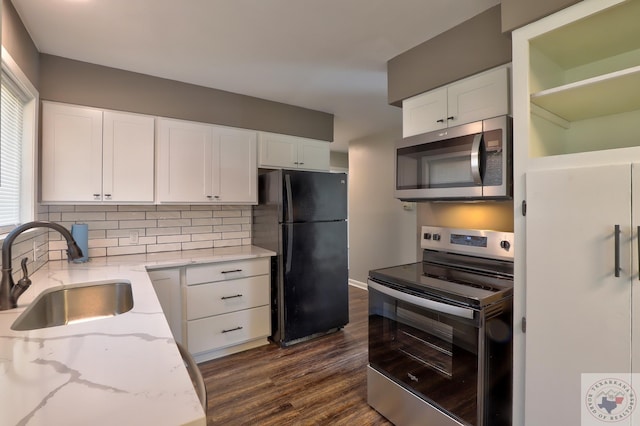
{"x":598,"y":96}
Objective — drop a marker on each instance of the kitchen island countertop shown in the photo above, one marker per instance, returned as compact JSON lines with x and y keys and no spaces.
{"x":122,"y":370}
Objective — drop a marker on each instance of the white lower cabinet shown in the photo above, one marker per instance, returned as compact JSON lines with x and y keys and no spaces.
{"x":227,"y":307}
{"x":580,"y":297}
{"x":166,"y":283}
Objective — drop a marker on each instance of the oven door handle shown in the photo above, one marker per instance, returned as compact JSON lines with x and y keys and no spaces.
{"x":433,"y":305}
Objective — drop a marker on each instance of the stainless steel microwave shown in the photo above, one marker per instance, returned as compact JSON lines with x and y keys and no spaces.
{"x":467,"y":162}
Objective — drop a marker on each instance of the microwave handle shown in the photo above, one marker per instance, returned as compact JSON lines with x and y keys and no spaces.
{"x":433,"y":305}
{"x":476,"y":158}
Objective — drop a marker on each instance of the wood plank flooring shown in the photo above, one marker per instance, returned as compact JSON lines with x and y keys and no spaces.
{"x":319,"y":382}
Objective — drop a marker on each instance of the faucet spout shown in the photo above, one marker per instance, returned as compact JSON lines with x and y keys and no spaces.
{"x":9,"y":291}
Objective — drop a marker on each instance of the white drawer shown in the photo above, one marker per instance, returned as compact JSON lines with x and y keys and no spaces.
{"x":229,"y":329}
{"x":204,"y":300}
{"x":221,"y":271}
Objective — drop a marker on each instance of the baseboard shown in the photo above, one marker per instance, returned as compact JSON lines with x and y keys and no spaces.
{"x":358,"y":284}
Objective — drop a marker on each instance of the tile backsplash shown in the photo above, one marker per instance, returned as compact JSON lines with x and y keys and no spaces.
{"x":131,"y":229}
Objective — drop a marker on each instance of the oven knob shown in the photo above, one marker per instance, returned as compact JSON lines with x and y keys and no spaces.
{"x":505,"y":244}
{"x":436,"y":237}
{"x":427,"y":235}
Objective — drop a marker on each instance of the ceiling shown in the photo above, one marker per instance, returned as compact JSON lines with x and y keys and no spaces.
{"x":326,"y":55}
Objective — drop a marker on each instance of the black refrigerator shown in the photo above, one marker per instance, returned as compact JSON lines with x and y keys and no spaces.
{"x":302,"y":216}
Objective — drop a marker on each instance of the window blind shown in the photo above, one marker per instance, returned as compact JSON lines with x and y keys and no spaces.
{"x":13,"y":101}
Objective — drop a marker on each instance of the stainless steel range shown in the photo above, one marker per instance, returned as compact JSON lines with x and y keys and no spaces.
{"x":440,"y":332}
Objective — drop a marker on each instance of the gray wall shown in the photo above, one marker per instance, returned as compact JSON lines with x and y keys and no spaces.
{"x":517,"y":13}
{"x":67,"y":80}
{"x":381,"y":232}
{"x":19,"y":44}
{"x":474,"y":46}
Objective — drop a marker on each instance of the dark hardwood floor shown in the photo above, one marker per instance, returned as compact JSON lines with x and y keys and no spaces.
{"x":318,"y":382}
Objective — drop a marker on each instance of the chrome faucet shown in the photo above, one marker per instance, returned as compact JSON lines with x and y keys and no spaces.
{"x":10,"y":291}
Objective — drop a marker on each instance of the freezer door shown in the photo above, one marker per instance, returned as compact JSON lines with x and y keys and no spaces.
{"x":314,"y":281}
{"x":313,"y":196}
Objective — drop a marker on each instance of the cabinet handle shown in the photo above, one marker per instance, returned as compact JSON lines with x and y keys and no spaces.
{"x":616,"y":255}
{"x":450,"y":118}
{"x":107,"y":195}
{"x":301,"y":163}
{"x":295,"y":162}
{"x":230,"y":297}
{"x":440,"y":121}
{"x":232,"y":329}
{"x":230,"y":271}
{"x":96,"y":195}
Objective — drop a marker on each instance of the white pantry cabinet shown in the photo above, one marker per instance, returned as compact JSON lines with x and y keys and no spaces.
{"x":291,"y":152}
{"x":481,"y":96}
{"x":227,"y":307}
{"x":202,"y":163}
{"x":93,"y":155}
{"x":580,"y":279}
{"x":576,"y":111}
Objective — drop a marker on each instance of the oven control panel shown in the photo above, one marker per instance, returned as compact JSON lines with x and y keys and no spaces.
{"x":475,"y":242}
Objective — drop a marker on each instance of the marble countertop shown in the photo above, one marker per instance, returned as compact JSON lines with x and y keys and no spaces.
{"x":123,"y":370}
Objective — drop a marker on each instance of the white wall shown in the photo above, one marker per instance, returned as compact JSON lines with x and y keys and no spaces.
{"x":381,"y":232}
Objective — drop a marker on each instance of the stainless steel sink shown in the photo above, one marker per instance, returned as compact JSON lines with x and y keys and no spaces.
{"x":76,"y":303}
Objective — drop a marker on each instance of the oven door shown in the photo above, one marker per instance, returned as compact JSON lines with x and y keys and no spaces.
{"x":428,"y":346}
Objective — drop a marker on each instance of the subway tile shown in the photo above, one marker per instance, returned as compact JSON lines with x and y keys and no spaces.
{"x":129,"y":224}
{"x":164,"y":247}
{"x":197,"y":245}
{"x":207,"y":221}
{"x":77,"y":217}
{"x":163,"y":215}
{"x":103,"y":242}
{"x":57,"y":245}
{"x":247,"y":213}
{"x":234,"y":235}
{"x":97,"y":252}
{"x":207,"y":236}
{"x":97,"y":233}
{"x":55,"y":217}
{"x":227,"y":243}
{"x":137,"y":208}
{"x":246,"y":241}
{"x":174,"y":230}
{"x":246,"y":227}
{"x":197,"y":214}
{"x":164,"y":239}
{"x":227,"y":228}
{"x":141,"y":241}
{"x":115,"y":251}
{"x":61,"y":208}
{"x":227,"y":213}
{"x":103,"y":224}
{"x":163,"y":223}
{"x":206,"y":207}
{"x":235,"y":220}
{"x":126,"y":215}
{"x":196,"y":229}
{"x":96,"y":208}
{"x":125,"y":233}
{"x":55,"y":255}
{"x":164,"y":207}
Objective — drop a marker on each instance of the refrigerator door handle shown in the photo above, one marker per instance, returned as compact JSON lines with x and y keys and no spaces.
{"x":287,"y":183}
{"x":289,"y":248}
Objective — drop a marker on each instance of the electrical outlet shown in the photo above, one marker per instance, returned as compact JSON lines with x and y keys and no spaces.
{"x":133,"y":237}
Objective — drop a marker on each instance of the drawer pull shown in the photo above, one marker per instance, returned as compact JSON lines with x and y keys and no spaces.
{"x":232,"y":329}
{"x":230,"y":297}
{"x":232,"y":270}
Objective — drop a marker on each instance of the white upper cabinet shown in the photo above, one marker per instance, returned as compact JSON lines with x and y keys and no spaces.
{"x":128,"y":157}
{"x":290,"y":152}
{"x":481,"y":96}
{"x":91,"y":155}
{"x":201,"y":163}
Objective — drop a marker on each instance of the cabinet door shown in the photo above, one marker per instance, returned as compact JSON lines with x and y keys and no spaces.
{"x":71,"y":153}
{"x":184,"y":162}
{"x":128,"y":157}
{"x":166,"y":283}
{"x":635,"y":284}
{"x":578,"y":312}
{"x":278,"y":151}
{"x":424,"y":113}
{"x":313,"y":155}
{"x":479,"y":97}
{"x":235,"y":177}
